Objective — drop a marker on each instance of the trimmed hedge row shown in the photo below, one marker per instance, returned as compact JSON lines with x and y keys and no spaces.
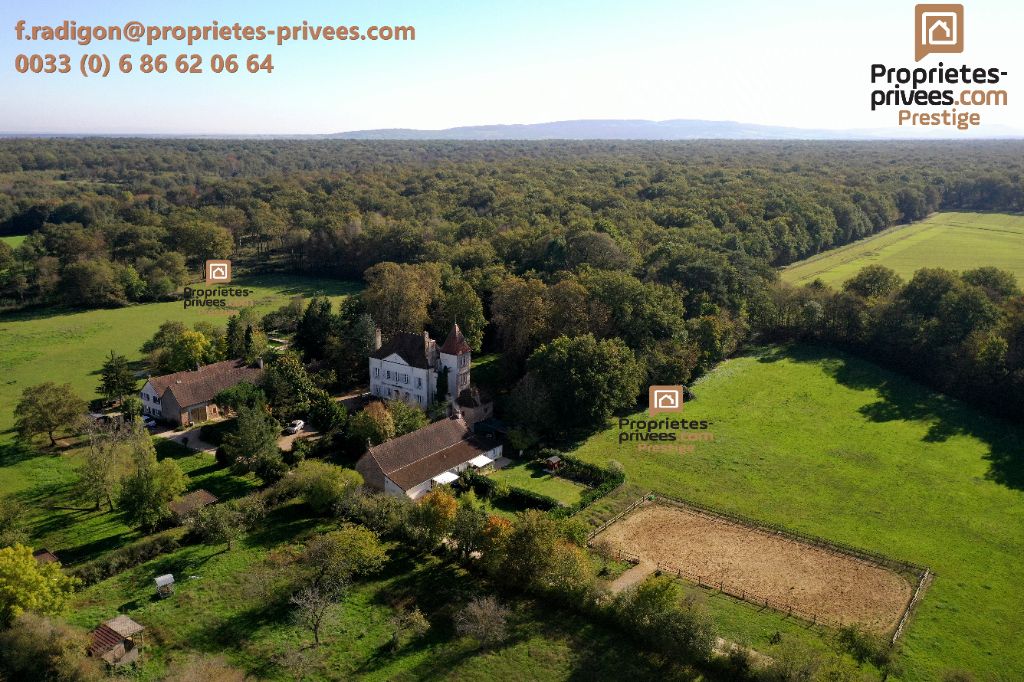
{"x":126,"y":557}
{"x":488,"y":487}
{"x":600,"y":481}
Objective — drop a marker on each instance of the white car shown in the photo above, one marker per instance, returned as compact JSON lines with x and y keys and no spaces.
{"x":295,"y":426}
{"x":149,"y":422}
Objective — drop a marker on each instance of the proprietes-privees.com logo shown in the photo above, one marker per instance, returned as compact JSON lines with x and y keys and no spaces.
{"x":217,"y":274}
{"x":961,"y":89}
{"x":664,"y":433}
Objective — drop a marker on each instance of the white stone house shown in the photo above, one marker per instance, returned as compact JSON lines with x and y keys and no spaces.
{"x":407,"y":366}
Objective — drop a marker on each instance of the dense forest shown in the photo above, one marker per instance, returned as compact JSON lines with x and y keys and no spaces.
{"x":660,"y":253}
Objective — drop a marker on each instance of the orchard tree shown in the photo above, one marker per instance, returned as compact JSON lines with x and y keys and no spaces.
{"x":336,"y":558}
{"x":47,"y":408}
{"x":484,"y":620}
{"x":324,"y":486}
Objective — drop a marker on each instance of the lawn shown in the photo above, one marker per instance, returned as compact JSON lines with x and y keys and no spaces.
{"x":827,"y":444}
{"x":532,"y":476}
{"x":235,"y":604}
{"x":957,"y":241}
{"x":13,"y":241}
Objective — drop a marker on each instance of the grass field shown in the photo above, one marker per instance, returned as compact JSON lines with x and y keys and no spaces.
{"x":13,"y":241}
{"x":532,"y":476}
{"x":957,"y":241}
{"x":235,"y":604}
{"x":823,"y":443}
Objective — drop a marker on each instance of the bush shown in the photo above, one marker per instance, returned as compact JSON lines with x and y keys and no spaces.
{"x":40,"y":648}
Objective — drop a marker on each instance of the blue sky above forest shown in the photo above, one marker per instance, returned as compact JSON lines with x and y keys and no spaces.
{"x":803,"y":64}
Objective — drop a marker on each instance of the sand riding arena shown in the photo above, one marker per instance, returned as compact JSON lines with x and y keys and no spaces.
{"x":802,"y":576}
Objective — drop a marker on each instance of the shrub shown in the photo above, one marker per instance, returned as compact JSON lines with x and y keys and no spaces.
{"x":39,"y":648}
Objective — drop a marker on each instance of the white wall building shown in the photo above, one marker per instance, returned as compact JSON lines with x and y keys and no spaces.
{"x":407,"y":366}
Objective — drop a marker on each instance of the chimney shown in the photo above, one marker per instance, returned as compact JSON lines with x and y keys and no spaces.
{"x":376,"y":338}
{"x":426,"y":343}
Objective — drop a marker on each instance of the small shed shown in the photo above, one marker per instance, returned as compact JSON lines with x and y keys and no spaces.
{"x":553,"y":464}
{"x":117,"y":641}
{"x":44,"y":556}
{"x":164,"y":585}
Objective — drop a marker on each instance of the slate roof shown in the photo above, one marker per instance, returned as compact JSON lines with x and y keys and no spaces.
{"x":408,"y":346}
{"x":201,"y":385}
{"x":44,"y":556}
{"x":419,"y":456}
{"x":197,"y":499}
{"x":455,"y":344}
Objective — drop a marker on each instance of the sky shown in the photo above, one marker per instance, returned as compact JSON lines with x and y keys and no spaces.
{"x":800,"y":64}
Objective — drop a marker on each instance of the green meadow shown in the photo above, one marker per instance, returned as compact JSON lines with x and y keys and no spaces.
{"x":13,"y":241}
{"x":956,"y":241}
{"x":821,"y":442}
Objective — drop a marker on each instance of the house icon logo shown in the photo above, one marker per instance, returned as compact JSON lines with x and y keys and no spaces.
{"x":938,"y":28}
{"x":218,"y":271}
{"x":664,"y":399}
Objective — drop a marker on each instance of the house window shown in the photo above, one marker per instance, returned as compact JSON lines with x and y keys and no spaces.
{"x":376,"y":372}
{"x":419,"y":382}
{"x":389,"y":374}
{"x":405,"y":378}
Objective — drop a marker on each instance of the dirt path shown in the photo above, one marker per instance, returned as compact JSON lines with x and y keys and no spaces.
{"x":632,"y":576}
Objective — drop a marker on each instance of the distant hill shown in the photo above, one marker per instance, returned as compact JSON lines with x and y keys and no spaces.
{"x":637,"y":129}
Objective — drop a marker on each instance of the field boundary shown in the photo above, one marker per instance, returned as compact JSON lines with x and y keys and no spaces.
{"x":922,"y":574}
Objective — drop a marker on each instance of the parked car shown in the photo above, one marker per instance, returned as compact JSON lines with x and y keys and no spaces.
{"x":295,"y":426}
{"x":148,"y":422}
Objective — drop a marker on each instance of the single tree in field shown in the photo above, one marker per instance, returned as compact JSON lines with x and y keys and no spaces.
{"x":46,"y":408}
{"x":484,"y":620}
{"x":222,"y":523}
{"x":103,"y":464}
{"x":336,"y":558}
{"x":146,"y":491}
{"x":311,"y":607}
{"x":27,"y":585}
{"x":117,"y":380}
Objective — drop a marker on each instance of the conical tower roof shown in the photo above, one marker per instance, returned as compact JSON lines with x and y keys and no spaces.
{"x":455,"y":344}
